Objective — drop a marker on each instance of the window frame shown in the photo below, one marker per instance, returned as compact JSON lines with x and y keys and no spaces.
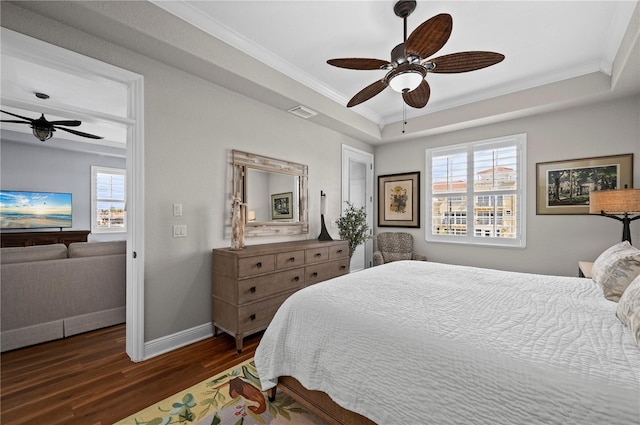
{"x":95,"y":170}
{"x":520,"y":193}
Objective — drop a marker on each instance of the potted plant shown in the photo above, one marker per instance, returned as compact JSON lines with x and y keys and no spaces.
{"x":353,"y":226}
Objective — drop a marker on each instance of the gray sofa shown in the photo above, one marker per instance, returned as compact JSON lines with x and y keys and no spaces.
{"x":51,"y":291}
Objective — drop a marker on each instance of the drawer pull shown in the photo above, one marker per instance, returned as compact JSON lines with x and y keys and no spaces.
{"x":314,"y":274}
{"x":319,"y":254}
{"x":339,"y":251}
{"x":259,"y":265}
{"x":252,"y":317}
{"x":292,"y":259}
{"x":296,"y":279}
{"x":252,"y":289}
{"x":342,"y":267}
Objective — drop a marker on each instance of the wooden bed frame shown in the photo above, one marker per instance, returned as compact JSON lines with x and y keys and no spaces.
{"x":319,"y":403}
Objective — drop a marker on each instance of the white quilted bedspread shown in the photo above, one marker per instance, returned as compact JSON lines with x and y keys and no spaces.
{"x":415,"y":342}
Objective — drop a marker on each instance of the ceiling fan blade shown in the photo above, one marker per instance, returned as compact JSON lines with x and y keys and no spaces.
{"x":71,"y":123}
{"x":430,"y":36}
{"x":30,"y":120}
{"x":16,"y":121}
{"x":367,"y":93}
{"x":358,"y":63}
{"x":418,"y":97}
{"x":465,"y":61}
{"x":79,"y":133}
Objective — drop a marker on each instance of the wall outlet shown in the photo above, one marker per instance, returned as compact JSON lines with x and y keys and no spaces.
{"x":179,"y":230}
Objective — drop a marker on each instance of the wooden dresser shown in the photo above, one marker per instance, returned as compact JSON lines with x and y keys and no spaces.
{"x":249,"y":285}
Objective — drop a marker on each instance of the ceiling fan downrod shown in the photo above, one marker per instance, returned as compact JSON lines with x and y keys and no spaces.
{"x":403,"y":9}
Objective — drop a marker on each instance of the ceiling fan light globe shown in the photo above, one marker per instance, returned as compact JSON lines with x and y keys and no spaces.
{"x":406,"y":81}
{"x":42,"y":133}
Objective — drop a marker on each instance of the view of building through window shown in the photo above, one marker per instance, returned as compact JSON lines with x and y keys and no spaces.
{"x":109,"y":199}
{"x":474,"y":191}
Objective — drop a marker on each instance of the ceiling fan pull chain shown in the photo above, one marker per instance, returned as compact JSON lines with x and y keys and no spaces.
{"x":404,"y":116}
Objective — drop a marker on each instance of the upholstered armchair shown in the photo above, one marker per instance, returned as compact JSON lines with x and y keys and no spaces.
{"x":395,"y":246}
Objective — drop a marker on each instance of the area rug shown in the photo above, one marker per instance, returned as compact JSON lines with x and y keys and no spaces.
{"x":232,"y":397}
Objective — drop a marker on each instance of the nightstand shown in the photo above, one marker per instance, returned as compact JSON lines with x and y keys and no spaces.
{"x":584,"y":269}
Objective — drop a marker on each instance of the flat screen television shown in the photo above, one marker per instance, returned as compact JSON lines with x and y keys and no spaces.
{"x":34,"y":210}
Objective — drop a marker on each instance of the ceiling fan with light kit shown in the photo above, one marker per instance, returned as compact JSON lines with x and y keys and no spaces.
{"x":410,"y":63}
{"x":44,"y":129}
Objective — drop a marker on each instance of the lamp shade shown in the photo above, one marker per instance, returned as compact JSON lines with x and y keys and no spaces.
{"x":621,"y":201}
{"x":406,"y":81}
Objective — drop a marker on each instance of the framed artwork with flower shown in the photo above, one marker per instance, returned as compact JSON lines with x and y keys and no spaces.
{"x":399,"y":200}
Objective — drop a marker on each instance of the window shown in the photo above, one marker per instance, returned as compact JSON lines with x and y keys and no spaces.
{"x":108,"y":196}
{"x":483,"y":180}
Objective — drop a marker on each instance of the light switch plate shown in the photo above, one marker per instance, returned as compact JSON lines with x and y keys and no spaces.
{"x":177,"y":210}
{"x":179,"y":230}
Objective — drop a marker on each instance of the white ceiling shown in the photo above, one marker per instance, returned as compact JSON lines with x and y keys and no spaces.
{"x":543,"y":42}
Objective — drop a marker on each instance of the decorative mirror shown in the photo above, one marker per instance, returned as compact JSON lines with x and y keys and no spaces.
{"x":275,"y":194}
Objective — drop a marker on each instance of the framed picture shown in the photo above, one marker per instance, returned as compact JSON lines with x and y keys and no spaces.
{"x":282,"y":206}
{"x":399,"y":200}
{"x":563,"y":186}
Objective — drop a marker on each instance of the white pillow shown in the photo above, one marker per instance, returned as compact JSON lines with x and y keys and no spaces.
{"x":628,"y":310}
{"x":615,"y":268}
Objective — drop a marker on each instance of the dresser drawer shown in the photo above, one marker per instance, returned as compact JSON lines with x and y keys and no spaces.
{"x":286,"y":260}
{"x":316,"y":255}
{"x":339,"y":251}
{"x":257,"y":316}
{"x":250,"y":266}
{"x":320,"y":272}
{"x":256,"y":288}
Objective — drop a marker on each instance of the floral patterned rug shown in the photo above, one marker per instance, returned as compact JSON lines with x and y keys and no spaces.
{"x":231,"y":398}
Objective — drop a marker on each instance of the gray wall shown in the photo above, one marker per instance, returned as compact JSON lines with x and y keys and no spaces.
{"x":44,"y":168}
{"x":191,"y":126}
{"x":554,"y":243}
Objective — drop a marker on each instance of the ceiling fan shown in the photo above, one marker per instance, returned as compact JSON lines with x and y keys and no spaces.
{"x":410,"y":61}
{"x":44,"y":129}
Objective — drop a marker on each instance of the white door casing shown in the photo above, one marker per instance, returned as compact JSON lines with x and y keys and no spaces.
{"x":357,"y":188}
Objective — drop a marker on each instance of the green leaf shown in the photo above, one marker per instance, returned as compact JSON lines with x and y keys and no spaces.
{"x":189,"y":400}
{"x":216,"y":419}
{"x":217,"y":380}
{"x":272,"y":410}
{"x":287,"y":402}
{"x":187,"y":416}
{"x":239,"y":421}
{"x":284,"y":413}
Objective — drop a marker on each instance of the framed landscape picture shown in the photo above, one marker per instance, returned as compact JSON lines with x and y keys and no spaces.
{"x":563,"y":187}
{"x":399,"y":200}
{"x":282,"y":206}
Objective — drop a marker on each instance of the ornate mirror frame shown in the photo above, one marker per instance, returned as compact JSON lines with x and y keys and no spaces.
{"x":244,"y":160}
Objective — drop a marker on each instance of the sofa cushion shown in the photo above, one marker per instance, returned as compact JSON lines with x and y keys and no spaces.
{"x":93,"y":249}
{"x":24,"y":254}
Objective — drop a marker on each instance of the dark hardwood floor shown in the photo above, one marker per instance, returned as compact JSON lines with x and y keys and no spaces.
{"x":88,"y":379}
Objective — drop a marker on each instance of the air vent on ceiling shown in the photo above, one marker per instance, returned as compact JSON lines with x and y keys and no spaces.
{"x":303,"y":111}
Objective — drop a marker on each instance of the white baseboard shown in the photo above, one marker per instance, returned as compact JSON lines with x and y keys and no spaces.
{"x":180,"y":339}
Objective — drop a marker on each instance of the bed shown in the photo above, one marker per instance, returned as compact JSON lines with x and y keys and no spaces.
{"x":430,"y":343}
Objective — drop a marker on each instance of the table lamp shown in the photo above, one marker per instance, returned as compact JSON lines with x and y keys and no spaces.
{"x":616,"y":203}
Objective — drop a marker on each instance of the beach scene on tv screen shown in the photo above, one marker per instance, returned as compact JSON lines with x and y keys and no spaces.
{"x":32,"y":210}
